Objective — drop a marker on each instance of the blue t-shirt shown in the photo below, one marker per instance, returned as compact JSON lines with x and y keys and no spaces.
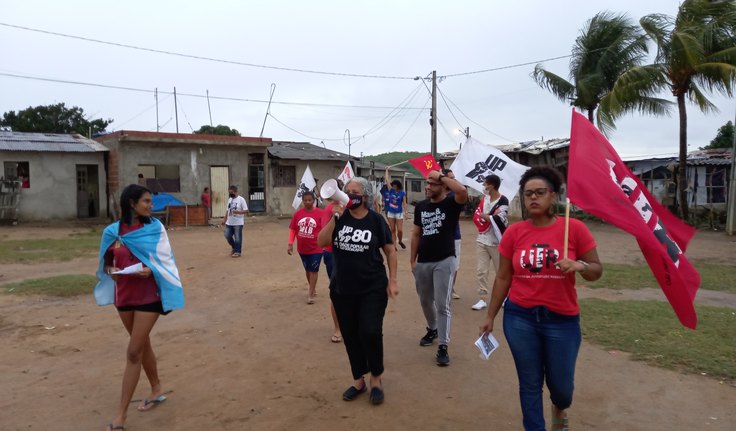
{"x":396,"y":201}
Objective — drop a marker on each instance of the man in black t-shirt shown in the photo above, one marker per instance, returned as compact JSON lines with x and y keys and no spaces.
{"x":433,"y":254}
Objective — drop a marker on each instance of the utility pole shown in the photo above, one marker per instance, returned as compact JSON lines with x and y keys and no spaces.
{"x":176,"y":111}
{"x":208,"y":107}
{"x":731,"y":202}
{"x":155,"y":96}
{"x":347,"y":132}
{"x":433,"y":120}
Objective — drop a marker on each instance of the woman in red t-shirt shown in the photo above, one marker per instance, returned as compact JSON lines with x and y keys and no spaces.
{"x":207,"y":202}
{"x":541,"y":320}
{"x":305,"y":226}
{"x":138,"y":303}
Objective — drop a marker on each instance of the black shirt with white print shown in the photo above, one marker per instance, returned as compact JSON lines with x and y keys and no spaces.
{"x":438,"y":222}
{"x":356,"y":250}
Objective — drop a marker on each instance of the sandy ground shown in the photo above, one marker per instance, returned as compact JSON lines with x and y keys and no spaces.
{"x":247,"y":352}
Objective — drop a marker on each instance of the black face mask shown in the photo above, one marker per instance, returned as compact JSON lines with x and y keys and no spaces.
{"x":232,"y":195}
{"x":355,"y":201}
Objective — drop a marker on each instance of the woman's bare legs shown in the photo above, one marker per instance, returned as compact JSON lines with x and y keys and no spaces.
{"x":337,"y":336}
{"x":392,"y":226}
{"x":400,"y":231}
{"x":139,"y":355}
{"x":312,"y":281}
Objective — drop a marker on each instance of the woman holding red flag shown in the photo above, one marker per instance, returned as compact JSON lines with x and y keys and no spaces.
{"x":541,"y":318}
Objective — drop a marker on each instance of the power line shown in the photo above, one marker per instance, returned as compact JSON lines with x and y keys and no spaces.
{"x":511,"y":66}
{"x":448,"y":107}
{"x":199,"y":57}
{"x":201,"y":96}
{"x":409,"y":128}
{"x":478,"y":124}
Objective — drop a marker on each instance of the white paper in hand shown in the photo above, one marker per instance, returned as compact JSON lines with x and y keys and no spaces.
{"x":132,"y":269}
{"x":486,"y":343}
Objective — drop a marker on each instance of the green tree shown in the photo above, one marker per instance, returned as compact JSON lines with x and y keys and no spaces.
{"x":607,"y":46}
{"x":724,"y":138}
{"x":696,"y":53}
{"x":53,"y":119}
{"x":217,"y":130}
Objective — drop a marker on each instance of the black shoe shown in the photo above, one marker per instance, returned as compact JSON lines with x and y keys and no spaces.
{"x":443,"y":358}
{"x":352,"y":392}
{"x":428,"y":337}
{"x":402,"y":245}
{"x":376,"y":396}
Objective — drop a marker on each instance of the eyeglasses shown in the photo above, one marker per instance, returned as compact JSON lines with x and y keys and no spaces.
{"x":539,"y":192}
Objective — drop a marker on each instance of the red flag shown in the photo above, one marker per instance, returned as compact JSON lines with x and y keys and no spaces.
{"x":425,"y":163}
{"x":601,"y":184}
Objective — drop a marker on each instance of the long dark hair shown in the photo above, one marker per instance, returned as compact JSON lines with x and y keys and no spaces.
{"x":132,"y":193}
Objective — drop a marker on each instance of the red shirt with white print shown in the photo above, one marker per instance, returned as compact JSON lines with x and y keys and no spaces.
{"x":130,"y":289}
{"x":307,"y":225}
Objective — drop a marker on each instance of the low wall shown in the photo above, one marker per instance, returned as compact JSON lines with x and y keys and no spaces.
{"x":192,"y":215}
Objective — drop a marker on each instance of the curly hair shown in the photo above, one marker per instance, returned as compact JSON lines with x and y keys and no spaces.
{"x":549,"y":175}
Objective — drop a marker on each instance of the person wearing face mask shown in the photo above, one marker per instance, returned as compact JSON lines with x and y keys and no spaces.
{"x":359,"y":288}
{"x":236,"y":211}
{"x":541,"y":318}
{"x":433,"y":256}
{"x":305,"y":226}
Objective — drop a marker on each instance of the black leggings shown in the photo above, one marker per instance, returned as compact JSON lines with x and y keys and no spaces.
{"x":361,"y":324}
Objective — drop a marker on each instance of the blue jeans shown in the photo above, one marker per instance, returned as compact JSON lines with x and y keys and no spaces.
{"x":545,"y":347}
{"x":234,"y":237}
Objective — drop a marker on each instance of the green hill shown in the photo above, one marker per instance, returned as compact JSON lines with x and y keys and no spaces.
{"x":396,"y":157}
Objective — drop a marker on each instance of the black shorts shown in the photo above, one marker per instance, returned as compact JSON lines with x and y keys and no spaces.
{"x":154,"y":307}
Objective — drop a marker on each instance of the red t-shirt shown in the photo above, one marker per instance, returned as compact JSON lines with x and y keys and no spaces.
{"x":130,"y":289}
{"x":533,"y":252}
{"x":326,"y":214}
{"x":307,"y":225}
{"x":206,"y":200}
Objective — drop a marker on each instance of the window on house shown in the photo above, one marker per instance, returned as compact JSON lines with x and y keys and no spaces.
{"x":715,"y":184}
{"x":416,"y":185}
{"x":285,"y":176}
{"x":18,"y":171}
{"x":160,"y":178}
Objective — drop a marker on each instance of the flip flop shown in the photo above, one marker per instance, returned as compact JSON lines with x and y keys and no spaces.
{"x":149,"y":404}
{"x":336,"y":338}
{"x":112,"y":427}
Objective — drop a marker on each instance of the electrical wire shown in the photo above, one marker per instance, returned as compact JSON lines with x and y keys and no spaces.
{"x":448,"y":108}
{"x":511,"y":66}
{"x":201,"y":96}
{"x":141,"y":113}
{"x":199,"y":57}
{"x":408,"y":129}
{"x":478,"y":124}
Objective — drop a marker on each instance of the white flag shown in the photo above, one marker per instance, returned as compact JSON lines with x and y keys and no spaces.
{"x":307,"y":184}
{"x":346,"y":174}
{"x":477,"y":160}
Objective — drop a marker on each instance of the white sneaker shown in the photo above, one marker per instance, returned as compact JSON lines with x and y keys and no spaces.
{"x":481,"y":304}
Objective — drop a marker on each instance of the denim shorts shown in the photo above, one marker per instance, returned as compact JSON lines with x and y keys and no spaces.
{"x":311,"y":261}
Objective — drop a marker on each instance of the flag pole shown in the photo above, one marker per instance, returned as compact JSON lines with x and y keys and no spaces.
{"x":567,"y":227}
{"x":396,"y":164}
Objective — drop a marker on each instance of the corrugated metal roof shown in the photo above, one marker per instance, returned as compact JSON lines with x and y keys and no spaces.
{"x":304,"y":151}
{"x":534,"y":147}
{"x":48,"y":142}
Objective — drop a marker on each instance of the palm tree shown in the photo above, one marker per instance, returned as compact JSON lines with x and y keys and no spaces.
{"x":607,"y":46}
{"x":696,"y":53}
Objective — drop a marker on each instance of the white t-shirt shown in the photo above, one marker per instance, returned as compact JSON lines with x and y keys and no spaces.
{"x":236,"y":203}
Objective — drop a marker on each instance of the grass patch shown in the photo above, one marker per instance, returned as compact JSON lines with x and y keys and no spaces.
{"x":651,"y":332}
{"x":617,"y":276}
{"x":62,"y":285}
{"x":83,"y":244}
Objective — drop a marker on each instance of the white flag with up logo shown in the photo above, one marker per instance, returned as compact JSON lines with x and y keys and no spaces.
{"x":476,"y":161}
{"x":346,"y":174}
{"x":305,"y":185}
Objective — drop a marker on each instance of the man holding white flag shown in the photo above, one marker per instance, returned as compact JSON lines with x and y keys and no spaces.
{"x":477,"y":160}
{"x":347,"y":174}
{"x":305,"y":185}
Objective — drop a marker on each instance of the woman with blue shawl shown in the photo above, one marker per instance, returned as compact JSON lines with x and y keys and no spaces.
{"x":149,"y":286}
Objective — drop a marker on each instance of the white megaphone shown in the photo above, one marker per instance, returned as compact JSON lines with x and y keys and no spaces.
{"x":330,"y":190}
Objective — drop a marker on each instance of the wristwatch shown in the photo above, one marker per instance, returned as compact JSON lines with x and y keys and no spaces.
{"x":585,"y":265}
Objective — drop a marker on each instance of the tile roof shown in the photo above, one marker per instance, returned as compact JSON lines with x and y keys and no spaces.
{"x":48,"y":142}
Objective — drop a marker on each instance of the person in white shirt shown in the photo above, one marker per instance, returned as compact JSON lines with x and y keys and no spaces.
{"x":236,"y":211}
{"x":494,"y":209}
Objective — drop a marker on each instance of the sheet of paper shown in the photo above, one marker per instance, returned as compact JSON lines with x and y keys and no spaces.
{"x":486,"y":343}
{"x":132,"y":269}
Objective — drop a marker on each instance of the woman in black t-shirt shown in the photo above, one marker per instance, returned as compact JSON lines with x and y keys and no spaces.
{"x":359,"y":288}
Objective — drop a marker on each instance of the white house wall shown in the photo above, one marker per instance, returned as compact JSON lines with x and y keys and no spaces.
{"x":53,"y":183}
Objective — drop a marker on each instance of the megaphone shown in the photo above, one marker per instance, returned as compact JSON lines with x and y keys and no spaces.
{"x":330,"y":190}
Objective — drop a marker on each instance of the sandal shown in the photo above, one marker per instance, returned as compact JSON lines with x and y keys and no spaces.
{"x":336,"y":338}
{"x":352,"y":392}
{"x":560,"y":424}
{"x":111,"y":427}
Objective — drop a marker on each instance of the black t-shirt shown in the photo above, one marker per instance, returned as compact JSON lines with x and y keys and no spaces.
{"x":438,"y":222}
{"x":356,"y":251}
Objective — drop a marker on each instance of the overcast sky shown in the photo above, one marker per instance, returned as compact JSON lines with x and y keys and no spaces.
{"x":401,"y":39}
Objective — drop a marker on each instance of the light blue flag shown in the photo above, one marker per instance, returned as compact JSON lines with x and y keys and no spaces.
{"x":151,"y":245}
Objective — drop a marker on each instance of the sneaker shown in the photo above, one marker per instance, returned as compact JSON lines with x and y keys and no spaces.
{"x":455,"y":295}
{"x":443,"y":358}
{"x":428,"y":337}
{"x":481,"y":304}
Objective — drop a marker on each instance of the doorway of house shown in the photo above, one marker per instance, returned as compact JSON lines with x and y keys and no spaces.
{"x":219,"y":182}
{"x":88,"y":191}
